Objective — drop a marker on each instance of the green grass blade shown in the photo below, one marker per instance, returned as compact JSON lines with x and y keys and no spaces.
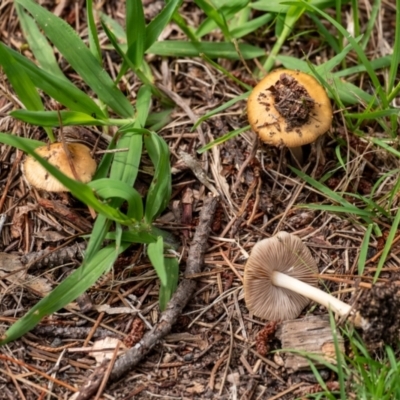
{"x":251,"y":26}
{"x":217,"y":16}
{"x":364,"y":250}
{"x":94,"y":43}
{"x":80,"y":58}
{"x":66,"y":292}
{"x":60,"y":90}
{"x":135,"y":31}
{"x":155,"y":252}
{"x":8,"y":138}
{"x":394,"y":67}
{"x":388,"y":245}
{"x":171,"y":266}
{"x":177,"y":48}
{"x":223,"y":139}
{"x":143,"y":105}
{"x":221,"y":108}
{"x":39,"y":45}
{"x":109,"y":188}
{"x":52,"y":118}
{"x":292,"y":15}
{"x":157,"y":24}
{"x":125,"y":166}
{"x":159,"y":192}
{"x":20,"y":81}
{"x":282,"y":6}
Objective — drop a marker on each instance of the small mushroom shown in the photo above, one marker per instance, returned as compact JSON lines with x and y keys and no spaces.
{"x":289,"y":108}
{"x":80,"y":157}
{"x":280,"y":279}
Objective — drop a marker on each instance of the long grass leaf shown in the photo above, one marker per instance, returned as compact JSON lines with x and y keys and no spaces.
{"x":80,"y":58}
{"x":39,"y":45}
{"x":60,"y":90}
{"x":177,"y":48}
{"x":135,"y":31}
{"x":158,"y":23}
{"x":94,"y":43}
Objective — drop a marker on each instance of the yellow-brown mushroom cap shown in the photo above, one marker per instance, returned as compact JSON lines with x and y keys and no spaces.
{"x":274,"y":128}
{"x":284,"y":253}
{"x":85,"y":166}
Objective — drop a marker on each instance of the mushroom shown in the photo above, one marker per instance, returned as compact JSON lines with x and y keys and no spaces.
{"x":289,"y":108}
{"x":80,"y":158}
{"x":280,"y":279}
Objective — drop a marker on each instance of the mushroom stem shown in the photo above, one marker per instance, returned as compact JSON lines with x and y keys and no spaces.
{"x":311,"y":292}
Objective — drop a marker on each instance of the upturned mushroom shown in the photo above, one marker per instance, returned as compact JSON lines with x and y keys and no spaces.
{"x":82,"y":162}
{"x":280,"y":279}
{"x":289,"y":108}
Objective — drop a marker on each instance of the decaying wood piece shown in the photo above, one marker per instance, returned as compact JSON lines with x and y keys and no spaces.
{"x":312,"y":335}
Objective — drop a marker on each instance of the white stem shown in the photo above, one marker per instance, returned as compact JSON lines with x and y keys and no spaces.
{"x":311,"y":292}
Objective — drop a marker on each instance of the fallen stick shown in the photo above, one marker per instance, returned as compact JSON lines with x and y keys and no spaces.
{"x":179,"y":300}
{"x":174,"y":309}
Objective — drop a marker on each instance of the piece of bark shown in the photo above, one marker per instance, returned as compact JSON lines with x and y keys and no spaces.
{"x":49,"y":259}
{"x":312,"y":335}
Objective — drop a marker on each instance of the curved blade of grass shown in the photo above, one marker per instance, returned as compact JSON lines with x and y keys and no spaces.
{"x":251,"y":26}
{"x":52,"y":118}
{"x":177,"y":48}
{"x":373,"y":115}
{"x":135,"y":32}
{"x":282,"y":6}
{"x":20,"y":81}
{"x":38,"y":44}
{"x":66,"y":292}
{"x":125,"y":166}
{"x":388,"y":245}
{"x":80,"y":58}
{"x":8,"y":138}
{"x":94,"y":43}
{"x":216,"y":15}
{"x":158,"y":23}
{"x":115,"y":27}
{"x":108,"y":188}
{"x":143,"y":105}
{"x":336,"y":197}
{"x":324,"y":33}
{"x":61,"y":90}
{"x":362,"y":258}
{"x":159,"y":191}
{"x":379,"y":63}
{"x":394,"y":67}
{"x":155,"y":252}
{"x":340,"y":209}
{"x":22,"y":84}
